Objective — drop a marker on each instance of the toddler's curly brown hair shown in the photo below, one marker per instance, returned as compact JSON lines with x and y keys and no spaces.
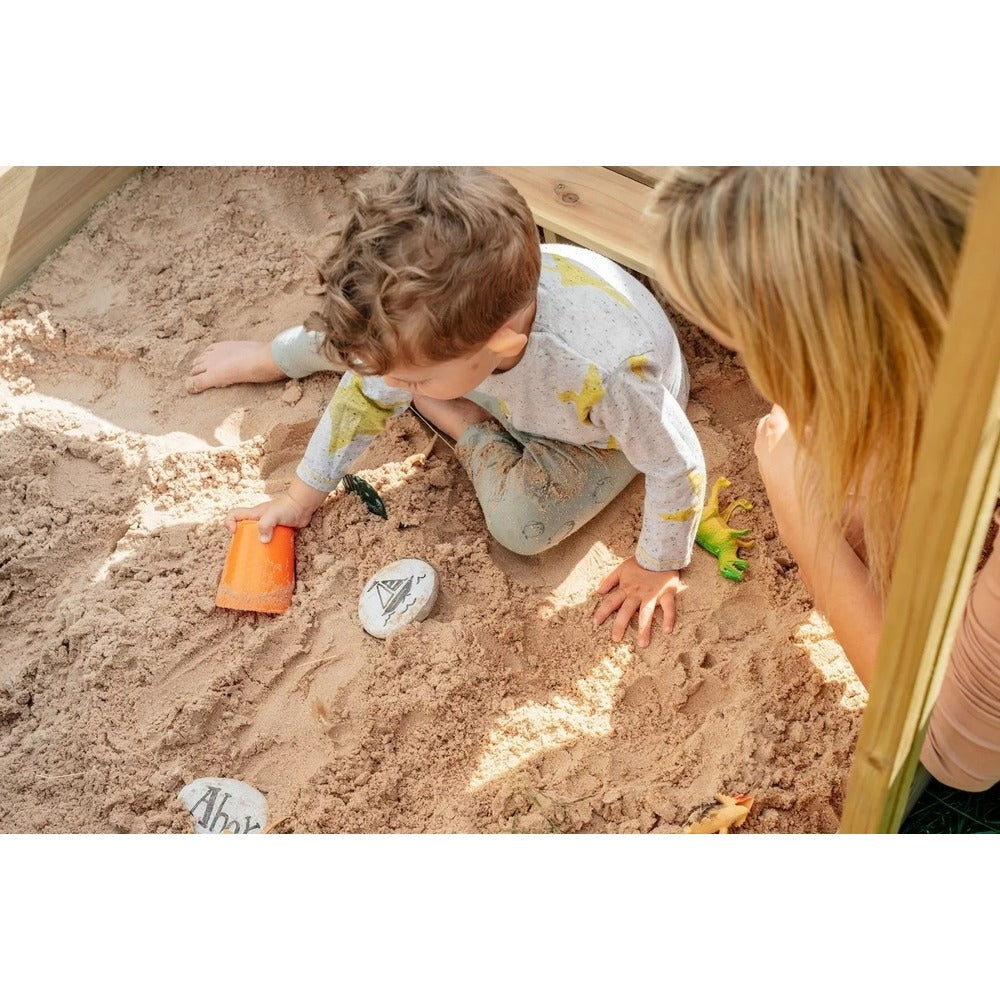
{"x":428,"y":264}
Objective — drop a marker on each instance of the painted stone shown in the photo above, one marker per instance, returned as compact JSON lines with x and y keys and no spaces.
{"x":224,"y":805}
{"x":398,"y":594}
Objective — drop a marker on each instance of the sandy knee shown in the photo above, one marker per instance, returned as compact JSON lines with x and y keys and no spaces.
{"x":526,"y":537}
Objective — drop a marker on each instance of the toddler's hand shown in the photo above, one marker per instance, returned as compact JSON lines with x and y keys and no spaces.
{"x":631,"y":588}
{"x":281,"y":510}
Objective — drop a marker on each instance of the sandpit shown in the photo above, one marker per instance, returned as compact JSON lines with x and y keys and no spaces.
{"x":505,"y":711}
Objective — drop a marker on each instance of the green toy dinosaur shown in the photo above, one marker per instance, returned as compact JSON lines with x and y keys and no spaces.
{"x":716,"y":537}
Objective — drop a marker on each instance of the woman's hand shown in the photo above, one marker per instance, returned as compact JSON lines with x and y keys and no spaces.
{"x":631,"y":588}
{"x":780,"y":467}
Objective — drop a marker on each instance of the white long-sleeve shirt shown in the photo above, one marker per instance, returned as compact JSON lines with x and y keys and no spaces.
{"x":602,"y":368}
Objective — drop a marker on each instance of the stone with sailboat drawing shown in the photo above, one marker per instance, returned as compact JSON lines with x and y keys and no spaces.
{"x":398,"y":594}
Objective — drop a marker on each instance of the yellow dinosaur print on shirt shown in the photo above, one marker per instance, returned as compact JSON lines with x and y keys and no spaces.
{"x":697,"y":481}
{"x":352,"y":414}
{"x":588,"y":397}
{"x":571,"y":273}
{"x":679,"y":515}
{"x":639,"y":363}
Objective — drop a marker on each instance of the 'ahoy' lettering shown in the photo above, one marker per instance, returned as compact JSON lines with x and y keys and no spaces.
{"x":214,"y":818}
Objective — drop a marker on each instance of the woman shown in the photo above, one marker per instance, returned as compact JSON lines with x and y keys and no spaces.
{"x":833,"y":284}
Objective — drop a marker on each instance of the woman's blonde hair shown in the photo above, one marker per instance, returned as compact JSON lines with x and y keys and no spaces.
{"x":834,"y":283}
{"x":428,"y":264}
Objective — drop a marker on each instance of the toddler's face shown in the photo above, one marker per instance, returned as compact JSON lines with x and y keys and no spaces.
{"x":445,"y":379}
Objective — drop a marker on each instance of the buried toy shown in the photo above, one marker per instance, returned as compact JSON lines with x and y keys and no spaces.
{"x":730,"y":814}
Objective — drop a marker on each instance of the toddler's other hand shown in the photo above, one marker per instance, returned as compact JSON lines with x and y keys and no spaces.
{"x":631,"y":588}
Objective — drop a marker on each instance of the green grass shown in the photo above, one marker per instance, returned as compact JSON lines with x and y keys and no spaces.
{"x":944,"y":810}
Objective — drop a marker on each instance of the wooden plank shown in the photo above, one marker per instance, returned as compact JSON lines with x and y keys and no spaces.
{"x":644,"y":175}
{"x":592,"y":206}
{"x":954,"y":491}
{"x":41,"y":207}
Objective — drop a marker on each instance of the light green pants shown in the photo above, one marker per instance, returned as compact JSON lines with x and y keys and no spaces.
{"x":534,"y":491}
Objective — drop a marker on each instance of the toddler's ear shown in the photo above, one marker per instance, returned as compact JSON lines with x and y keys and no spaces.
{"x":507,"y":342}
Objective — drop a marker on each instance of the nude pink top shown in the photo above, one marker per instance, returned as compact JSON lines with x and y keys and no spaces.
{"x":962,"y":745}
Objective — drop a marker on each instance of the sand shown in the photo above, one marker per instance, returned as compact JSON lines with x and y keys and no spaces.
{"x":505,"y":711}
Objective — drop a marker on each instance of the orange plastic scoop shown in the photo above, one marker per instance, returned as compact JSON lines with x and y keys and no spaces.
{"x":258,"y":576}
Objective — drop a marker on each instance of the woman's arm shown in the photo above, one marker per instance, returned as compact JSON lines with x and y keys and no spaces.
{"x":836,"y":578}
{"x":962,"y":744}
{"x":840,"y":586}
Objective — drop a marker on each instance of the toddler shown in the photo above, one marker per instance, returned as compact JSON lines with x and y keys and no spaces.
{"x":555,"y":371}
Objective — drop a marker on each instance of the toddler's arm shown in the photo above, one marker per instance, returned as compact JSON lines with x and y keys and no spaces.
{"x":649,"y":425}
{"x":358,"y":411}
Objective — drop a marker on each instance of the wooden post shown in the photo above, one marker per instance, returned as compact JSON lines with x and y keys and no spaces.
{"x":954,"y":491}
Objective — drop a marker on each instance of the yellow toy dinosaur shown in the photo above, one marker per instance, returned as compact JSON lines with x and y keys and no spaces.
{"x":730,"y":814}
{"x":716,"y":537}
